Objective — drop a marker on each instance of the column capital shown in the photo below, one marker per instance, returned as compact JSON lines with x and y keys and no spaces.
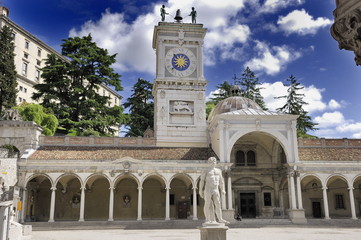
{"x":53,"y":188}
{"x":83,"y":188}
{"x":140,"y":188}
{"x":347,"y":29}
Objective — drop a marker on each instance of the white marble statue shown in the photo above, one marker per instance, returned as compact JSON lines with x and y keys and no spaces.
{"x":211,"y":187}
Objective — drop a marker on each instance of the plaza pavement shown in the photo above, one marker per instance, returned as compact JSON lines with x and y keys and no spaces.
{"x":262,"y":233}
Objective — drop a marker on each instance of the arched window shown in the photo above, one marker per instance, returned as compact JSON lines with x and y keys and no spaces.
{"x":240,"y":159}
{"x":245,"y":159}
{"x":251,"y":158}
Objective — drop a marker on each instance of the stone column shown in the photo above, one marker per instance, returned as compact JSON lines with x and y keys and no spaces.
{"x":195,"y":203}
{"x":24,"y":207}
{"x":167,"y":204}
{"x":352,"y":203}
{"x":139,"y":204}
{"x":281,"y":199}
{"x":52,"y":204}
{"x":82,"y":204}
{"x":291,"y":183}
{"x":111,"y":204}
{"x":299,"y":191}
{"x":229,"y":191}
{"x":325,"y":202}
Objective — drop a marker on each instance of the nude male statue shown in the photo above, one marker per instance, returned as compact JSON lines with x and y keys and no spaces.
{"x":210,"y":184}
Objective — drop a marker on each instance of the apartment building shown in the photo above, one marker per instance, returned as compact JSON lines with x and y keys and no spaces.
{"x":30,"y":56}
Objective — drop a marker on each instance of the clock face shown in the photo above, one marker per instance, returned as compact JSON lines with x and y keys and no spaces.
{"x":180,"y":62}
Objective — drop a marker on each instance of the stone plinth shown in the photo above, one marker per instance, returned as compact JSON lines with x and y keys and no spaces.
{"x":297,"y":216}
{"x":216,"y":231}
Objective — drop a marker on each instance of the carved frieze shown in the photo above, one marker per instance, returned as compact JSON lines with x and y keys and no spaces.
{"x":347,"y":32}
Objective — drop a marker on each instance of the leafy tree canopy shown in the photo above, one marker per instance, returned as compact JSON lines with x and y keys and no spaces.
{"x":250,"y":85}
{"x":294,"y":105}
{"x":141,"y":108}
{"x":71,"y":88}
{"x":40,"y":115}
{"x":8,"y":84}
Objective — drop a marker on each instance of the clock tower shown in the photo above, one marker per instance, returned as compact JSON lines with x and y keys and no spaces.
{"x":179,"y":87}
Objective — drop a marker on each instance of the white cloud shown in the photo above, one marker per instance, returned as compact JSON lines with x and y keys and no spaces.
{"x":132,"y":41}
{"x":271,"y":59}
{"x":330,"y":119}
{"x":274,"y":5}
{"x":300,"y":22}
{"x":312,"y":96}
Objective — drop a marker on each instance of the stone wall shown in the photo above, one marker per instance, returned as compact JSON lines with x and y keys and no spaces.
{"x":329,"y":149}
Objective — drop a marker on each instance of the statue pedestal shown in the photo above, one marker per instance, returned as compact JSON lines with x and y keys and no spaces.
{"x":213,"y":231}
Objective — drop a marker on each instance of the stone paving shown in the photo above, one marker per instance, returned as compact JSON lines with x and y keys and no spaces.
{"x":264,"y":233}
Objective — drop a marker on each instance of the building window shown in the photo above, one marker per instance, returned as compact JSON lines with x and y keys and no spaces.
{"x":248,"y":159}
{"x":25,"y":68}
{"x":339,"y":201}
{"x":240,"y":159}
{"x":38,"y":62}
{"x":13,"y":35}
{"x":25,"y":90}
{"x":26,"y":56}
{"x":20,"y":99}
{"x":39,"y":52}
{"x":267,"y":199}
{"x":27,"y":44}
{"x":37,"y":75}
{"x":21,"y":88}
{"x":251,"y":158}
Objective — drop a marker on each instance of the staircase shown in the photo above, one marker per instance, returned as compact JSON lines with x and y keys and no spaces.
{"x":150,"y":224}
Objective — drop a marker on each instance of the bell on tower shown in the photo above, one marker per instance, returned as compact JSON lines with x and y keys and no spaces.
{"x":178,"y":17}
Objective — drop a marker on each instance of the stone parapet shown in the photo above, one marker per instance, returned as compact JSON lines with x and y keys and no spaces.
{"x":95,"y":141}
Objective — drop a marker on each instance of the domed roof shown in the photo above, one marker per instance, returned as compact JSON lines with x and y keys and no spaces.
{"x":232,"y":104}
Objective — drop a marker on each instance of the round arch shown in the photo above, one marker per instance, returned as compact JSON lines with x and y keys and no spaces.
{"x":67,"y":197}
{"x":38,"y":188}
{"x":312,"y":196}
{"x":153,"y":196}
{"x":126,"y":197}
{"x":97,"y":196}
{"x":181,"y":196}
{"x":274,"y":134}
{"x":338,"y":196}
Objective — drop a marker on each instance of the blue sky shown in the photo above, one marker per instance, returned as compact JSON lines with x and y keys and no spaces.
{"x":275,"y":38}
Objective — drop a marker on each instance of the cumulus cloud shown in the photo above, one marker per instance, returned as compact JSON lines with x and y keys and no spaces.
{"x":312,"y":96}
{"x":271,"y":59}
{"x":270,"y":6}
{"x":132,"y":41}
{"x":302,"y":23}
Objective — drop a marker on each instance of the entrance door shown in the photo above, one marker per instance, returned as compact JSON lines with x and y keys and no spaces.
{"x":247,"y":205}
{"x":316,"y":209}
{"x":183,"y":207}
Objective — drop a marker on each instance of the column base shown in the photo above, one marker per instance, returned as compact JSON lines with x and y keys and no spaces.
{"x":110,"y":220}
{"x":81,"y":220}
{"x":297,"y":216}
{"x":213,"y":232}
{"x":51,"y":221}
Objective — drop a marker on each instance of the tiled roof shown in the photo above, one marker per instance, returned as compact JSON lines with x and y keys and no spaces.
{"x":112,"y":153}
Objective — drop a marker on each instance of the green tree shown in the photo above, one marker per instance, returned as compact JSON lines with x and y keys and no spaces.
{"x":222,"y":93}
{"x":141,"y":107}
{"x":71,"y":86}
{"x":294,"y":105}
{"x":250,"y":85}
{"x":40,"y":115}
{"x":8,"y":84}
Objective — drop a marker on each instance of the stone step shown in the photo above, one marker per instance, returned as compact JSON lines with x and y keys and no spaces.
{"x":148,"y":224}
